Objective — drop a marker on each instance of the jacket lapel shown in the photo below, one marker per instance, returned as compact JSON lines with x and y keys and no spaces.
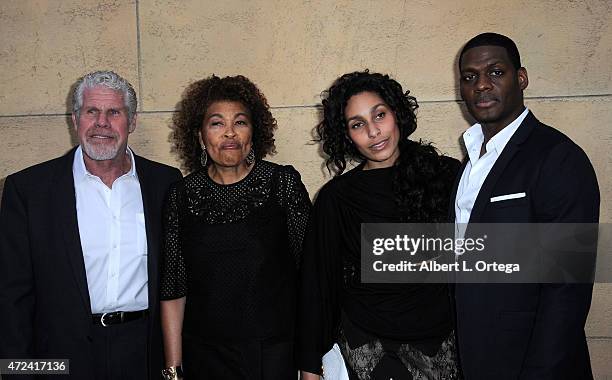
{"x":152,"y":223}
{"x":513,"y":146}
{"x":64,"y":200}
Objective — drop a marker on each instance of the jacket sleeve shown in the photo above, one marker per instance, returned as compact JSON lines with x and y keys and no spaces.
{"x":17,"y":298}
{"x":566,"y":192}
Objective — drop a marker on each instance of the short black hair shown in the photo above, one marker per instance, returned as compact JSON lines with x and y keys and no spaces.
{"x":494,"y":39}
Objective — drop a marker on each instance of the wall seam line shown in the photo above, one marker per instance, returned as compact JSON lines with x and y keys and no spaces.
{"x":317,"y":106}
{"x":138,"y":55}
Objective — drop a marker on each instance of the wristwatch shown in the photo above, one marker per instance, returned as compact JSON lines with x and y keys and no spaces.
{"x":172,"y":373}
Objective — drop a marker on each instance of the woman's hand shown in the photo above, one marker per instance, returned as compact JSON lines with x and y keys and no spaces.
{"x":309,"y":376}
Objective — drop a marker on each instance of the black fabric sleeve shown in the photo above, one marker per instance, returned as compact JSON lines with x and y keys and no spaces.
{"x":319,"y":308}
{"x":17,"y":298}
{"x":173,"y":276}
{"x":295,"y":200}
{"x":567,"y":192}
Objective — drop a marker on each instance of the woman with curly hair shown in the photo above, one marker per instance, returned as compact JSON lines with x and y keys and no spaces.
{"x":398,"y":331}
{"x":233,"y":232}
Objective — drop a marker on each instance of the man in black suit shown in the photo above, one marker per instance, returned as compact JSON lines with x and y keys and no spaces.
{"x":518,"y":171}
{"x":79,"y":246}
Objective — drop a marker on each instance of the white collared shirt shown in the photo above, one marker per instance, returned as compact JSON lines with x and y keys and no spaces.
{"x":478,"y":168}
{"x":113,"y":238}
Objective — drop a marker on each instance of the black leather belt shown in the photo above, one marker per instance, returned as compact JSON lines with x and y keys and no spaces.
{"x":117,"y":317}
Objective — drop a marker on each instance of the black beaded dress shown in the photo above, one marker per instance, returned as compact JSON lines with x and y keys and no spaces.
{"x":233,"y":251}
{"x":398,"y":331}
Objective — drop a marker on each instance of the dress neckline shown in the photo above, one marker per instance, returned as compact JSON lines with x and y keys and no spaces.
{"x":222,"y":185}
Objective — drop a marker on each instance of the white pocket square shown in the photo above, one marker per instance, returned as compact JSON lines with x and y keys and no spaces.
{"x":507,"y":196}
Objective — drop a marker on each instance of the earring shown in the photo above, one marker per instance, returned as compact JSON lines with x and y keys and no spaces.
{"x":250,"y":158}
{"x":203,"y":158}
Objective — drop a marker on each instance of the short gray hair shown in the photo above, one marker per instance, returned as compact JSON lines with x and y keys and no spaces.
{"x":107,"y":79}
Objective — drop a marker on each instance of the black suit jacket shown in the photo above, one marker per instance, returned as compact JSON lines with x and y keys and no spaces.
{"x":45,"y":309}
{"x":529,"y":331}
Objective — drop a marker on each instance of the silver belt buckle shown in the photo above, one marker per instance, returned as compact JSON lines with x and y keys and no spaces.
{"x":102,"y":320}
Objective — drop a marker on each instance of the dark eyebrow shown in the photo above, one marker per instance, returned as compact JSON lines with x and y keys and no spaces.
{"x":496,"y":63}
{"x":214,"y":115}
{"x":352,"y":118}
{"x":221,"y":116}
{"x":371,"y":110}
{"x":487,"y":65}
{"x":378,"y":105}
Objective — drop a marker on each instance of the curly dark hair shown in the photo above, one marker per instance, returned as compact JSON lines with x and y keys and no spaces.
{"x":422,"y":179}
{"x":196,"y":99}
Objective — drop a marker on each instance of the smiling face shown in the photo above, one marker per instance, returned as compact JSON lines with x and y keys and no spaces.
{"x":227,"y":133}
{"x":102,"y":124}
{"x":491,"y":86}
{"x":371,"y":126}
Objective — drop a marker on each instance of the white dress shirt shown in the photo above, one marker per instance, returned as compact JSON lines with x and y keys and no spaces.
{"x":113,"y":238}
{"x":477,"y":168}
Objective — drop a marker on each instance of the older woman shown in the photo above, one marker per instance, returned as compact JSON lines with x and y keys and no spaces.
{"x":233,"y":238}
{"x":385,"y":331}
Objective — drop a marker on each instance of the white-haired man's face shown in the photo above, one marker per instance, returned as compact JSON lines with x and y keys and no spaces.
{"x":103,"y":125}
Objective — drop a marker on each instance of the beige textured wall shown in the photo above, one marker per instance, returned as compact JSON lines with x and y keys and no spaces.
{"x":293,"y":50}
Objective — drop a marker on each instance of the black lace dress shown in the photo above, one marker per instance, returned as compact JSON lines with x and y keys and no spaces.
{"x":233,"y":251}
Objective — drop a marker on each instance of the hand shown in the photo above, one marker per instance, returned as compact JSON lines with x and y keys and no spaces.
{"x":309,"y":376}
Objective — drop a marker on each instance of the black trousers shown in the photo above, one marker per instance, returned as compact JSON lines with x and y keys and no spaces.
{"x":120,"y":351}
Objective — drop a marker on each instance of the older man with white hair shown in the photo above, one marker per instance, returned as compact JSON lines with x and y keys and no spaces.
{"x":79,"y":246}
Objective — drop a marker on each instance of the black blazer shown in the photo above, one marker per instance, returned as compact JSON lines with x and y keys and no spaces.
{"x":45,"y":309}
{"x":529,"y":331}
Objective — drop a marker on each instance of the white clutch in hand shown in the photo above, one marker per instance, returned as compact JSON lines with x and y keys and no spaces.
{"x":333,"y":365}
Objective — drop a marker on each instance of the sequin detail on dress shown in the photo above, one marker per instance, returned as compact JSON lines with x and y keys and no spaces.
{"x":199,"y":196}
